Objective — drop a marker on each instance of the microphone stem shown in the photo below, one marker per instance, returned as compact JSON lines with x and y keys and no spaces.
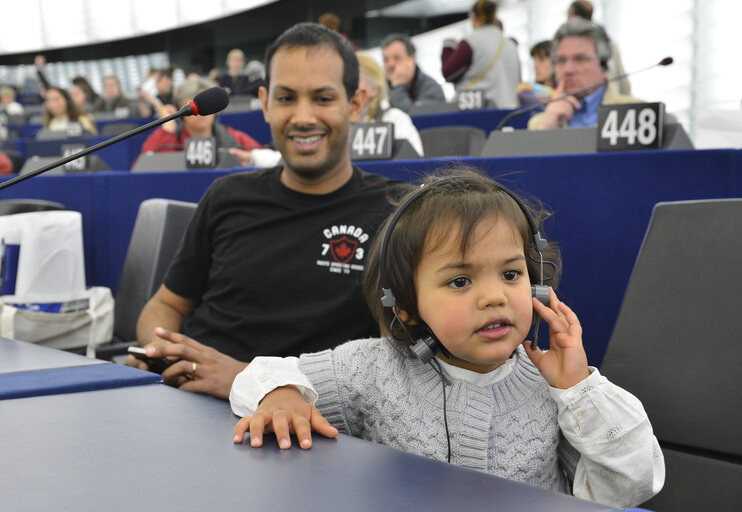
{"x":544,"y":103}
{"x":136,"y":131}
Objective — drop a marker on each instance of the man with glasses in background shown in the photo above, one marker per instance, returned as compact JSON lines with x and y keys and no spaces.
{"x":580,"y":51}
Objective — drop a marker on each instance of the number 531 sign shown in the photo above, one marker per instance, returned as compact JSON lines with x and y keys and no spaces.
{"x":630,"y":126}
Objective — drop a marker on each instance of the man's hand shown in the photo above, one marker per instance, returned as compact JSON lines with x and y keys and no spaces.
{"x":243,"y":155}
{"x":283,"y":411}
{"x":565,"y":363}
{"x":200,"y":369}
{"x":166,"y":110}
{"x":403,"y":73}
{"x":558,"y":113}
{"x":138,"y":363}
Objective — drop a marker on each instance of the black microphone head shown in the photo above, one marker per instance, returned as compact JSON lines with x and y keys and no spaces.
{"x":666,"y":61}
{"x":210,"y":101}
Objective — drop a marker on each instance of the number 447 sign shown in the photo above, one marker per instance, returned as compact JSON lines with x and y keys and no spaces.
{"x":630,"y":126}
{"x":371,"y":141}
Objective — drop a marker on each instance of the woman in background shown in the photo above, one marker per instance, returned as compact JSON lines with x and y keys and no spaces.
{"x":60,"y":112}
{"x":377,"y":107}
{"x":485,"y":60}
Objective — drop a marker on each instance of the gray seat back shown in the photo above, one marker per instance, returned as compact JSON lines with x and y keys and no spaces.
{"x":452,"y":141}
{"x":158,"y":229}
{"x":677,"y":342}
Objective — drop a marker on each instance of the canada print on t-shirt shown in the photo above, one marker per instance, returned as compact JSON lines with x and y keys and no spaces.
{"x":343,"y":248}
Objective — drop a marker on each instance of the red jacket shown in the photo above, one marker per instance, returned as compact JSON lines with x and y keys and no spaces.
{"x":161,"y":141}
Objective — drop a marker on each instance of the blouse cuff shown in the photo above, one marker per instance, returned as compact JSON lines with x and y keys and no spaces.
{"x":263,"y":375}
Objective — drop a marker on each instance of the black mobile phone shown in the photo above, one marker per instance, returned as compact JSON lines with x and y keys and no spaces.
{"x":156,"y":364}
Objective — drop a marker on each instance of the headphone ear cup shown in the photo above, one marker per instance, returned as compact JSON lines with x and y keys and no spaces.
{"x":540,"y":292}
{"x":427,"y":347}
{"x":424,"y":349}
{"x":604,"y":64}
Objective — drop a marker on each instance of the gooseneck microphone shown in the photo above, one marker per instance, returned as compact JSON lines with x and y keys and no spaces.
{"x":664,"y":62}
{"x":210,"y":101}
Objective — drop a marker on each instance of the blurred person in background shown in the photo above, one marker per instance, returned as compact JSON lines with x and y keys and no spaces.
{"x":90,"y":95}
{"x":235,"y":81}
{"x":171,"y":136}
{"x":333,"y":22}
{"x":584,"y":9}
{"x":581,"y":55}
{"x":80,"y":99}
{"x":376,"y":107}
{"x":112,"y":99}
{"x":408,"y":85}
{"x":60,"y":112}
{"x":152,"y":96}
{"x":544,"y":84}
{"x":484,"y":60}
{"x":8,"y":102}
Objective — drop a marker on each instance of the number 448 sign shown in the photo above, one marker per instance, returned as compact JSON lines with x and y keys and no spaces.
{"x":630,"y":126}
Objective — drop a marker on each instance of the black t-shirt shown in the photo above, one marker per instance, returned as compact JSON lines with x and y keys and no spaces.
{"x":275,"y":271}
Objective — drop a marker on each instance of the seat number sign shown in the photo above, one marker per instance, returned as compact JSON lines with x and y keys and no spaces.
{"x":630,"y":126}
{"x":200,"y":153}
{"x":371,"y":141}
{"x":79,"y":164}
{"x":471,"y":100}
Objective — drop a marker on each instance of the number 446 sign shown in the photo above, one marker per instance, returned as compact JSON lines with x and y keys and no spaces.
{"x":630,"y":126}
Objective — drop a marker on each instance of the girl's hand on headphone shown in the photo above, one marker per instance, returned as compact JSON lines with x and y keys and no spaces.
{"x":565,"y":363}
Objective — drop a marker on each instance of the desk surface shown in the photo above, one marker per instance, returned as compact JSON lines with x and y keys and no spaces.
{"x":19,"y":356}
{"x":157,"y":448}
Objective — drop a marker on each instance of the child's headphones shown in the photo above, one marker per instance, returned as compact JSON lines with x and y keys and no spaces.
{"x":427,"y":347}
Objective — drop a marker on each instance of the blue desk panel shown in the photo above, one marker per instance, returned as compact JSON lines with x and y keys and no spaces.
{"x":601,"y":203}
{"x":486,"y":119}
{"x":119,"y":156}
{"x":157,"y":448}
{"x":19,"y":356}
{"x":72,"y":379}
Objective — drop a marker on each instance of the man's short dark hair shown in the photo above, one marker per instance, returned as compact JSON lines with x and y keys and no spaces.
{"x":405,"y":40}
{"x":542,"y":49}
{"x":315,"y":35}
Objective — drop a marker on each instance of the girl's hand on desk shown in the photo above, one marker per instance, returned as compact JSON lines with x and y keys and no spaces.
{"x":284,"y":411}
{"x":565,"y":363}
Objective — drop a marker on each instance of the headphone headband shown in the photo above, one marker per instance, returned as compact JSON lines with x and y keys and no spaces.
{"x":388,"y":299}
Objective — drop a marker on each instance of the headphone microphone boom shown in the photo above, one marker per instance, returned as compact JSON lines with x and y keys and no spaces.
{"x":427,"y":347}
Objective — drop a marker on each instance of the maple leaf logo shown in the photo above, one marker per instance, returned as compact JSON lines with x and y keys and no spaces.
{"x":343,"y":249}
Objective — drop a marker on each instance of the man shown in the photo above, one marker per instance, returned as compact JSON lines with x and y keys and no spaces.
{"x":272,"y":260}
{"x":584,"y":9}
{"x":149,"y":105}
{"x":112,"y":100}
{"x":172,"y":135}
{"x":407,"y":84}
{"x":581,"y":53}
